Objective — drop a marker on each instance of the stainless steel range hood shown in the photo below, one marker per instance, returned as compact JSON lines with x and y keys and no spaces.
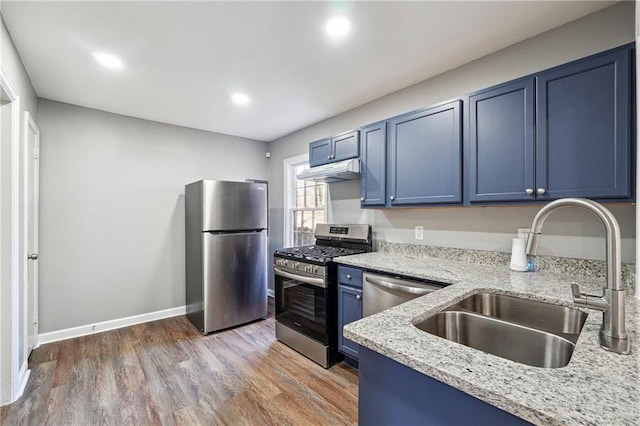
{"x":333,"y":172}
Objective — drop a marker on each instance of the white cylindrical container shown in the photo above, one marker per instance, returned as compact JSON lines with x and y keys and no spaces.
{"x":518,"y":255}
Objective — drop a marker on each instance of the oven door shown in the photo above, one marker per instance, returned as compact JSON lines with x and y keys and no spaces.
{"x":301,"y":304}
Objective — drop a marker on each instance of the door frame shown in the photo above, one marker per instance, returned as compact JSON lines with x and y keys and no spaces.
{"x":18,"y":374}
{"x":30,"y":127}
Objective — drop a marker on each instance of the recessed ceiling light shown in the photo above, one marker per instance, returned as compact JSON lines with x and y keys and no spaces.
{"x":338,"y":26}
{"x":108,"y":60}
{"x":240,"y":98}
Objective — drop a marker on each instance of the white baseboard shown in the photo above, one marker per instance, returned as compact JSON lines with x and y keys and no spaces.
{"x":270,"y":293}
{"x":99,"y":327}
{"x":23,"y":378}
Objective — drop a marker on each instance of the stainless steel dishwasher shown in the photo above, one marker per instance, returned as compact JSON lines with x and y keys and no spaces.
{"x":380,"y":292}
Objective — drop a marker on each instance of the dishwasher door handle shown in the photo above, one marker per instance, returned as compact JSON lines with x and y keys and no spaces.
{"x":400,"y":287}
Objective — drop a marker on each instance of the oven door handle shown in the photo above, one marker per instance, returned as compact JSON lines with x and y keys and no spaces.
{"x":400,"y":287}
{"x":318,"y":282}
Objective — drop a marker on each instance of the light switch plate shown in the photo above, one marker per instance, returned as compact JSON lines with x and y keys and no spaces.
{"x":419,"y":232}
{"x":523,"y":233}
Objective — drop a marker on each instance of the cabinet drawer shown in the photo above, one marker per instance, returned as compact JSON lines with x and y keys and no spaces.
{"x":350,"y":276}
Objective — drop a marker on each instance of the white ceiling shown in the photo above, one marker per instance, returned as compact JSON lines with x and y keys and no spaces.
{"x":184,"y":59}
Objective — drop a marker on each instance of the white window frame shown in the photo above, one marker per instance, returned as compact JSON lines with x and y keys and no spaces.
{"x":290,"y":165}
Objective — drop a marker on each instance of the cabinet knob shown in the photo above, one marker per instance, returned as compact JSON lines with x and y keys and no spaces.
{"x":540,"y":191}
{"x":529,"y":191}
{"x":392,"y":197}
{"x":358,"y":297}
{"x":361,"y":198}
{"x":348,"y":276}
{"x":328,"y":157}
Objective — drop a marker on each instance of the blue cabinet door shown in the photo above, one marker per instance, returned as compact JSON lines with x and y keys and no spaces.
{"x":390,"y":393}
{"x":320,"y":152}
{"x":425,"y":157}
{"x":373,"y":166}
{"x":583,"y":128}
{"x":349,"y":310}
{"x":501,"y":143}
{"x":345,"y":146}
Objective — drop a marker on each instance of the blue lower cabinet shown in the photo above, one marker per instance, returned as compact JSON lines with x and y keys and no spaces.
{"x":349,"y":310}
{"x":393,"y":394}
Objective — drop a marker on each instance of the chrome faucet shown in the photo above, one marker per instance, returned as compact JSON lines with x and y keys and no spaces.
{"x":613,"y":334}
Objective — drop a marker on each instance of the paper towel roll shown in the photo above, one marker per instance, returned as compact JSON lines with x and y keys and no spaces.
{"x":518,"y":255}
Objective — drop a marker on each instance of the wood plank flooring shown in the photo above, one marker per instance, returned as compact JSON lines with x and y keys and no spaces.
{"x":167,"y":373}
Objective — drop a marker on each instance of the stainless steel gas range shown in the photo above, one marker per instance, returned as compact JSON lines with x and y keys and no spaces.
{"x":306,"y":290}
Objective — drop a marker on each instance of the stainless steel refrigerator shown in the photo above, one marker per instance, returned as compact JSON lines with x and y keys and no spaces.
{"x":226,"y":247}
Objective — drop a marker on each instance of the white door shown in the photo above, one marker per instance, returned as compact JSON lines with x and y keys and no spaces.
{"x":32,"y":169}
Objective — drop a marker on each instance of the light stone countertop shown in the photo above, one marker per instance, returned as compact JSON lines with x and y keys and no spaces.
{"x":596,"y":387}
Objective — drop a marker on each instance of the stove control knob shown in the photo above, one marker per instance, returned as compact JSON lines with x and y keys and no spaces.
{"x":285,"y":263}
{"x":315,"y":269}
{"x":278,"y":262}
{"x":296,"y":265}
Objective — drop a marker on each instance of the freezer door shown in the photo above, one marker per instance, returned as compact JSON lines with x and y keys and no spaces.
{"x":235,"y":280}
{"x":232,"y":206}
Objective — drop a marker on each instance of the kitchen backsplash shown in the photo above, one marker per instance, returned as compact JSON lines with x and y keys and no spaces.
{"x":554,"y":264}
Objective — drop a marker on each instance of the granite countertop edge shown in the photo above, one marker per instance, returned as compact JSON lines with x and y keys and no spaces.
{"x":575,"y":394}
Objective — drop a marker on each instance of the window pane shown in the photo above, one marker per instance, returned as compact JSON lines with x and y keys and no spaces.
{"x":308,"y":200}
{"x":299,"y":197}
{"x":300,"y":183}
{"x":307,"y":221}
{"x":307,"y":239}
{"x":320,"y":195}
{"x":310,"y":197}
{"x":297,"y":221}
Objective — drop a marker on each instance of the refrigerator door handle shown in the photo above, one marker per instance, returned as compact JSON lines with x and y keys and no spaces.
{"x":318,"y":282}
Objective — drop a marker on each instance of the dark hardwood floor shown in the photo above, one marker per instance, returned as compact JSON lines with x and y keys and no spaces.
{"x":166,"y":372}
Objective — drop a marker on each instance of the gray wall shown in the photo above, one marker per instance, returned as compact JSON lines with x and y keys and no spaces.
{"x":482,"y":228}
{"x":14,"y":70}
{"x":112,"y":209}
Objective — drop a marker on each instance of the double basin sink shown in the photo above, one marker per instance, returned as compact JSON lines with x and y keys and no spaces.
{"x":526,"y":331}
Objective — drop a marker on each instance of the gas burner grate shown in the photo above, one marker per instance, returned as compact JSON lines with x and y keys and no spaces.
{"x":318,"y":253}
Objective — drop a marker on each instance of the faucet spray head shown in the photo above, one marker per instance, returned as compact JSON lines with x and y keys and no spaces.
{"x":532,"y":243}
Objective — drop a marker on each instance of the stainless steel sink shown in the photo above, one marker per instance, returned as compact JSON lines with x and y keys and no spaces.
{"x":526,"y":331}
{"x":567,"y":322}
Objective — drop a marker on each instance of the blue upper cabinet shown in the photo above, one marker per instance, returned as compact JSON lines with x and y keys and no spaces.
{"x":345,"y":146}
{"x":583,"y":128}
{"x":320,"y":152}
{"x":337,"y":148}
{"x":373,"y":166}
{"x":424,"y":158}
{"x":501,"y":143}
{"x":571,"y":138}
